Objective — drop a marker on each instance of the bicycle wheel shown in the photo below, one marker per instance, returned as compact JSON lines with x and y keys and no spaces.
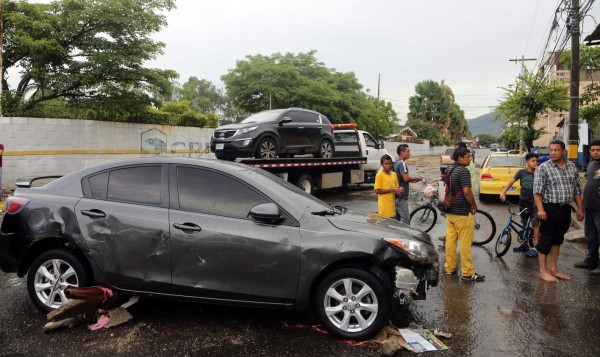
{"x":503,"y":242}
{"x":423,"y":218}
{"x":485,"y":228}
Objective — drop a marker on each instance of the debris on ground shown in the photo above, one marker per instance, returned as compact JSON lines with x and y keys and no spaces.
{"x":97,"y":306}
{"x":414,"y":338}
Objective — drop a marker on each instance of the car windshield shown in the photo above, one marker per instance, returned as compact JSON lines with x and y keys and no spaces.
{"x":307,"y":201}
{"x":542,"y":151}
{"x":262,"y":117}
{"x":505,"y":161}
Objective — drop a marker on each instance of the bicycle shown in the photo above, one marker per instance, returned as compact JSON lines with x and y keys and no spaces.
{"x":424,"y":218}
{"x":524,"y":231}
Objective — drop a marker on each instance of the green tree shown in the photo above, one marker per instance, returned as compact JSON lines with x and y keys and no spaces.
{"x":430,"y":103}
{"x":299,"y":80}
{"x":429,"y":131}
{"x":532,"y":96}
{"x":510,"y":137}
{"x":85,"y":55}
{"x":434,"y":103}
{"x":590,"y":64}
{"x":487,"y":139}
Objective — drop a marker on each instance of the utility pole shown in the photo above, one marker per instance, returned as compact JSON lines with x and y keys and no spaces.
{"x":376,"y":122}
{"x":522,"y":60}
{"x":573,"y":145}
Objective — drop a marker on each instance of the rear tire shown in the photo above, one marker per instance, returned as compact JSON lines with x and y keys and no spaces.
{"x":50,"y":274}
{"x":305,"y":183}
{"x":503,"y":243}
{"x":423,"y":218}
{"x":326,"y":149}
{"x":485,"y":228}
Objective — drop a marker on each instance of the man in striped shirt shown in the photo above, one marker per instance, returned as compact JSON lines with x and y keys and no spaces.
{"x":555,"y":185}
{"x":460,"y":219}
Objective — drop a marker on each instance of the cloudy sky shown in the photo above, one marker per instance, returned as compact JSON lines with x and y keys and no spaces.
{"x":466,"y":43}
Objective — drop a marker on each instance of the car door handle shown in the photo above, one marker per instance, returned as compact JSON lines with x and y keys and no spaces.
{"x":187,"y":227}
{"x":94,"y":213}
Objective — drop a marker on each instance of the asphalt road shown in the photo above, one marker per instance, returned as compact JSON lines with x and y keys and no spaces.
{"x":511,"y":313}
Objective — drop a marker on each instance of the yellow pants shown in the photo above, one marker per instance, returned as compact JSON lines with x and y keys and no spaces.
{"x":459,"y":228}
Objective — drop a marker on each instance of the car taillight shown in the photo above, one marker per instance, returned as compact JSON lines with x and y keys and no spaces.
{"x":15,"y":204}
{"x":487,"y":177}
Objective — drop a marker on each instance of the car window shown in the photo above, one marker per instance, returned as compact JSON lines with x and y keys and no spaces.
{"x":98,"y":185}
{"x":370,"y":141}
{"x":210,"y":192}
{"x":505,"y":161}
{"x":139,"y":184}
{"x":542,"y":151}
{"x":345,"y":138}
{"x":299,"y":116}
{"x":263,"y":117}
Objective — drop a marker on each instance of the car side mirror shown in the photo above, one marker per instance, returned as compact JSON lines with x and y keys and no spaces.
{"x":266,"y":212}
{"x":285,"y":120}
{"x":380,"y":145}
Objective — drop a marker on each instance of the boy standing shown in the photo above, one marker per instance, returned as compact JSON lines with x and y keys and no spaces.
{"x":387,"y":187}
{"x":401,"y":170}
{"x":525,"y":176}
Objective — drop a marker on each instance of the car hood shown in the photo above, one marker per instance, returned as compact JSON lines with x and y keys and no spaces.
{"x":377,"y":226}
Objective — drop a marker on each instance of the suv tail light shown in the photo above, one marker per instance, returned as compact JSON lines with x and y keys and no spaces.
{"x":487,"y":177}
{"x":15,"y":204}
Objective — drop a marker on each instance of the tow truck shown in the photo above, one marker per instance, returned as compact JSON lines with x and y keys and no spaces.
{"x":356,"y":160}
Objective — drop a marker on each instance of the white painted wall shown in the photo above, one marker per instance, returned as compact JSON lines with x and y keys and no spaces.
{"x":39,"y":147}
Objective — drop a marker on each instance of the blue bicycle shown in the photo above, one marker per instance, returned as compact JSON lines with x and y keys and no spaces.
{"x":524,"y":232}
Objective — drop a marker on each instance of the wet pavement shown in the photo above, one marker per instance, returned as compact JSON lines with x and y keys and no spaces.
{"x":512,"y":313}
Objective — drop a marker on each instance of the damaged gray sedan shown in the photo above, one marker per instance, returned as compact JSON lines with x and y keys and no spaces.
{"x":213,"y":232}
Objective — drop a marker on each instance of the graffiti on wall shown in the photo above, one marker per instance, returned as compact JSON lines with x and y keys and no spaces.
{"x":154,"y":140}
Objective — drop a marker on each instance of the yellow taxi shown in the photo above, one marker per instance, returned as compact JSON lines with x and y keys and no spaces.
{"x":496,"y":171}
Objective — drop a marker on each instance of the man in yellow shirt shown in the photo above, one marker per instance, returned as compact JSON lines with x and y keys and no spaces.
{"x":387,"y":187}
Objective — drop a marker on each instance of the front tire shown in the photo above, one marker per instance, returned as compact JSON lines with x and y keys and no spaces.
{"x":423,"y":218}
{"x":326,"y":149}
{"x":485,"y":228}
{"x":503,"y":243}
{"x":352,"y":303}
{"x":267,"y":149}
{"x":50,"y":274}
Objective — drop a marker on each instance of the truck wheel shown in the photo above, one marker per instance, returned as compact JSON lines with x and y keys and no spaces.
{"x":326,"y":149}
{"x":305,"y":183}
{"x":266,"y":149}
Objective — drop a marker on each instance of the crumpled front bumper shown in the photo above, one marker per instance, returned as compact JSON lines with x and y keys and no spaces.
{"x":415,"y":283}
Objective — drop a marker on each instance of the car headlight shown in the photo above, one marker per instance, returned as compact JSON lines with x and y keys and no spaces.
{"x":416,"y":250}
{"x":246,"y":130}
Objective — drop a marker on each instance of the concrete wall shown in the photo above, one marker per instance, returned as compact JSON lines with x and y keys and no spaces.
{"x":38,"y":146}
{"x":417,"y":150}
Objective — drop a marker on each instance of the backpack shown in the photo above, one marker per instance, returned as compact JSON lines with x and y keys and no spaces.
{"x":445,"y":204}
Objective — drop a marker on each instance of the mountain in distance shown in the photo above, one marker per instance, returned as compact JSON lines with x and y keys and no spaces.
{"x":485,"y":124}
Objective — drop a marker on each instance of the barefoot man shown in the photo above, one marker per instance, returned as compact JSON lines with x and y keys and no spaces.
{"x":555,"y":185}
